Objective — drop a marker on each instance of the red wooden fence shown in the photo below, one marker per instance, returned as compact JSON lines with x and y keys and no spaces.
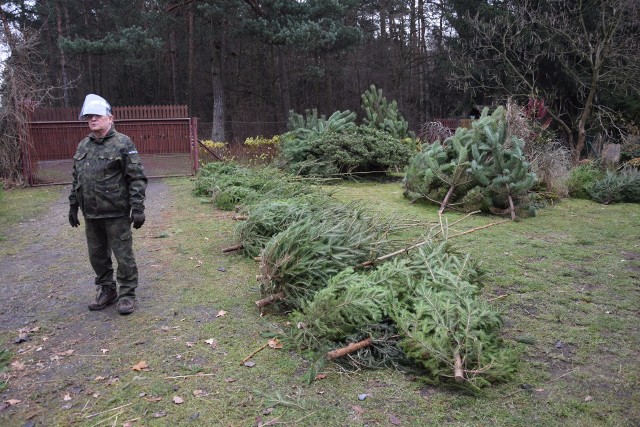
{"x":164,"y":135}
{"x":454,"y":124}
{"x":119,"y":113}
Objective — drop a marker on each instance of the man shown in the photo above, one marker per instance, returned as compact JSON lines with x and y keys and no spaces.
{"x":109,"y":186}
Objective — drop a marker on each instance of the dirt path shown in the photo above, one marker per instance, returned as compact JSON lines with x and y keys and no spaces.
{"x":47,"y":284}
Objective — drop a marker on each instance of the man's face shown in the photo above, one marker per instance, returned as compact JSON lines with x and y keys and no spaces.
{"x":99,"y":125}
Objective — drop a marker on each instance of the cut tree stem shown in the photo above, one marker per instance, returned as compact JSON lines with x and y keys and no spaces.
{"x":233,"y":248}
{"x":512,"y":208}
{"x":271,"y":298}
{"x":353,"y":347}
{"x":458,"y":374}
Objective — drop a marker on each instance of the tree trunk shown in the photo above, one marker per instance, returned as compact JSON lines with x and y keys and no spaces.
{"x":174,"y":67}
{"x":383,"y":19}
{"x":191,"y":65}
{"x":7,"y":32}
{"x":512,"y":207}
{"x":63,"y":59}
{"x":217,"y":70}
{"x":588,"y":105}
{"x":284,"y":83}
{"x":92,"y":78}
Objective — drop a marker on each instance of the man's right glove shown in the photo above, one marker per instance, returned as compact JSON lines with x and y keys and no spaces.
{"x":137,"y":218}
{"x":73,"y":215}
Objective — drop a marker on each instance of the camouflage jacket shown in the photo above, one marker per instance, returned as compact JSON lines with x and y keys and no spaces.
{"x":108,"y":177}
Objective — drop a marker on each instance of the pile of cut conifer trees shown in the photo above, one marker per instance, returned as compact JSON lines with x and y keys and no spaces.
{"x":353,"y":293}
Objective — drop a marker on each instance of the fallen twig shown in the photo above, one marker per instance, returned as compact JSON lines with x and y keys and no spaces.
{"x":188,"y":376}
{"x":254,"y":353}
{"x":271,"y":422}
{"x":498,"y":297}
{"x":453,"y":223}
{"x":109,"y":418}
{"x":384,"y":257}
{"x":424,"y":242}
{"x":478,"y":228}
{"x":108,"y":410}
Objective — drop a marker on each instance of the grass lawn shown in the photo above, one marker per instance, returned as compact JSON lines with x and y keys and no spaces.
{"x":567,"y":282}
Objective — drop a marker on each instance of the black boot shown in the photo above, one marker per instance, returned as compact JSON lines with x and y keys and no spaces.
{"x":126,"y":305}
{"x":105,"y":296}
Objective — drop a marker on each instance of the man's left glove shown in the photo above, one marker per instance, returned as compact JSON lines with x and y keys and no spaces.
{"x":137,"y":218}
{"x":73,"y":215}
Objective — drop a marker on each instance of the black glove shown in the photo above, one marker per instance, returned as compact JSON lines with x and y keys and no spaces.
{"x":73,"y":215}
{"x":137,"y":218}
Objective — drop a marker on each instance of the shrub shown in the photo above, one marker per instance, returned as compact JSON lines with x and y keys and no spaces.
{"x":352,"y":149}
{"x":630,"y":147}
{"x":581,"y":179}
{"x":617,"y":187}
{"x":548,"y":158}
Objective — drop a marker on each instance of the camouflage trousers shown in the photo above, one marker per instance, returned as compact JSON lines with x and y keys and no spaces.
{"x":107,"y":236}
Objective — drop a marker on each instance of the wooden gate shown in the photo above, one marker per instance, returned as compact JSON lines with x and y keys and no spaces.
{"x":165,"y":136}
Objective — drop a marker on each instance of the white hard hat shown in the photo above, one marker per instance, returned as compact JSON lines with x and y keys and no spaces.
{"x":94,"y":104}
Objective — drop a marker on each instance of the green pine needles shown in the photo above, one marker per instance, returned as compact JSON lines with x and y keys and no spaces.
{"x":416,"y":308}
{"x":232,"y":186}
{"x":319,"y":146}
{"x":269,"y":217}
{"x":617,"y":187}
{"x":478,"y":168}
{"x":300,"y":260}
{"x":384,"y":115}
{"x":430,"y":299}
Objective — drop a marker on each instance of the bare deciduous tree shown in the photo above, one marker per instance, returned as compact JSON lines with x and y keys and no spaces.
{"x":22,"y":89}
{"x":569,"y":53}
